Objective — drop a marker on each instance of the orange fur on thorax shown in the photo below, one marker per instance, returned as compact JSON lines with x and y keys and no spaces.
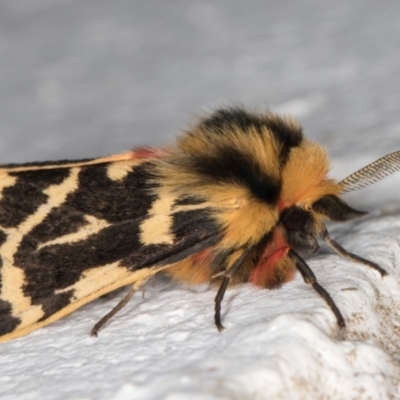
{"x":195,"y":269}
{"x":304,"y":178}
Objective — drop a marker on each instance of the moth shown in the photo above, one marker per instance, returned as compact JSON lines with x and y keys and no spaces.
{"x":237,"y":198}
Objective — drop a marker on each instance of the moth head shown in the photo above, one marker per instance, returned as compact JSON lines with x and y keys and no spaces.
{"x":303,"y":226}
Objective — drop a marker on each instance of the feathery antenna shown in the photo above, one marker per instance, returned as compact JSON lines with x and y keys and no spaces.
{"x":372,"y":173}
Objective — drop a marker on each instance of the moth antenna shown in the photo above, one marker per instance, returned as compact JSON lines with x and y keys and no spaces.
{"x":311,"y":279}
{"x":224,"y":284}
{"x":372,"y":173}
{"x":354,"y":257}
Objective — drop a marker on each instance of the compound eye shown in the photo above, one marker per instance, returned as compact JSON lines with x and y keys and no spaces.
{"x":295,"y":219}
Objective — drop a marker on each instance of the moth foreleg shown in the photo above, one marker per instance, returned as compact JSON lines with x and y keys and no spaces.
{"x":354,"y":257}
{"x":310,"y":278}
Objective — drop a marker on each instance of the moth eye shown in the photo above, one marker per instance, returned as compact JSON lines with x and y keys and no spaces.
{"x":295,"y":219}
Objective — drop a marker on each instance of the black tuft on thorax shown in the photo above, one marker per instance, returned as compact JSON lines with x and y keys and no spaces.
{"x":229,"y":163}
{"x":286,"y":134}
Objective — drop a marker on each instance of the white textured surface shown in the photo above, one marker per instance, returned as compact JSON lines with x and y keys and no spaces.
{"x":277,"y":344}
{"x":80,"y":79}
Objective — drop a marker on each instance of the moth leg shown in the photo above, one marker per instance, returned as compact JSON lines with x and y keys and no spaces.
{"x":224,"y":284}
{"x":143,"y":285}
{"x":310,"y":278}
{"x":354,"y":257}
{"x":218,"y":300}
{"x":110,"y":314}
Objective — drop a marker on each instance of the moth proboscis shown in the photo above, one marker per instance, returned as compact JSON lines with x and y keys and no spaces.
{"x":235,"y":199}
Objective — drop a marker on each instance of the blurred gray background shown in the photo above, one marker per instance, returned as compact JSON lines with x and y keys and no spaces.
{"x":83,"y":78}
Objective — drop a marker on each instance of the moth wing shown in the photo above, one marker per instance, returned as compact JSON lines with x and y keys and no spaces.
{"x":73,"y":231}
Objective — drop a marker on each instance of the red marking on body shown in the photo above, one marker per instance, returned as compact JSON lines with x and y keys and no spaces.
{"x":266,"y":270}
{"x":281,"y":205}
{"x":203,"y":257}
{"x":147,"y":152}
{"x":199,"y":267}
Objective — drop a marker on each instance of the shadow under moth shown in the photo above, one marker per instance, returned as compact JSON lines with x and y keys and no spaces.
{"x":237,"y":198}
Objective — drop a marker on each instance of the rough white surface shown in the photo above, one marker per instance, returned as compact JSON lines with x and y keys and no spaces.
{"x":277,"y":344}
{"x":81,"y":79}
